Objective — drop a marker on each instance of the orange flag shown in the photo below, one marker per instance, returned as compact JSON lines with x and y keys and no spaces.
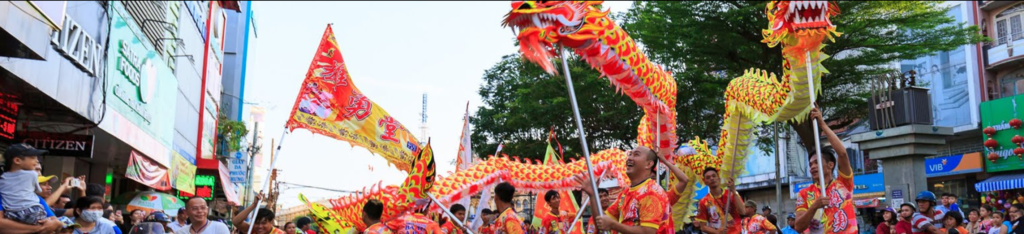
{"x":330,"y":104}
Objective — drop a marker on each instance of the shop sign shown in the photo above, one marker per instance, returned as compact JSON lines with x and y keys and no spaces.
{"x":866,"y":203}
{"x":75,"y":43}
{"x":8,"y":116}
{"x":198,"y":9}
{"x":800,"y":186}
{"x":997,"y":114}
{"x":184,"y":174}
{"x":868,"y":183}
{"x":237,"y":170}
{"x":143,"y":89}
{"x":953,"y":164}
{"x":58,"y":144}
{"x":204,"y":188}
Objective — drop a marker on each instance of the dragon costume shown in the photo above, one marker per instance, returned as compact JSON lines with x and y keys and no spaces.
{"x":754,"y":98}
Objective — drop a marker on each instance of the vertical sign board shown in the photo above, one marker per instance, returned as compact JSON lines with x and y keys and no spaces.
{"x":237,"y":170}
{"x":212,"y":71}
{"x":997,"y":114}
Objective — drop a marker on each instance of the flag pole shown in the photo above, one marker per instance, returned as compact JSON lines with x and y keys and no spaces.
{"x":579,"y":125}
{"x":817,"y":133}
{"x":266,"y":182}
{"x":448,"y":213}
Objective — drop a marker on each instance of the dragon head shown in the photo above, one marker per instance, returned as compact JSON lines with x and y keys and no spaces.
{"x":800,"y":26}
{"x":542,"y":24}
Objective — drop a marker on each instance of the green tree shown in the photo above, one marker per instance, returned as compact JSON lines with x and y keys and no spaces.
{"x":522,"y":103}
{"x":715,"y":37}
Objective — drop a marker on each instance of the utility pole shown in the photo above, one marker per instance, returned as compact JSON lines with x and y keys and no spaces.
{"x":253,"y":149}
{"x":778,"y":172}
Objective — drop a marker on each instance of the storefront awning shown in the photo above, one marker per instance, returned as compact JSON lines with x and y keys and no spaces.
{"x":1001,"y":182}
{"x":229,"y":188}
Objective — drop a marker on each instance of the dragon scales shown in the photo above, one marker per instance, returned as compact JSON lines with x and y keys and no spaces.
{"x":754,"y":98}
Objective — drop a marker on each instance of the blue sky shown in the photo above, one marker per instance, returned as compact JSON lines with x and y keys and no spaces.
{"x":395,"y":51}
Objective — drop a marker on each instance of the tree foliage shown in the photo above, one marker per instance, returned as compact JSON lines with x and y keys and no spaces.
{"x":704,"y":38}
{"x":521,"y":104}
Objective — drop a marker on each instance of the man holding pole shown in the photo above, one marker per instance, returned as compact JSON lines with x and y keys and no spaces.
{"x":834,"y":212}
{"x":644,"y":208}
{"x":712,"y":214}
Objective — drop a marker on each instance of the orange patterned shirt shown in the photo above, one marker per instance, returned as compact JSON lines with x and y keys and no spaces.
{"x":757,"y":224}
{"x":709,"y":211}
{"x":450,"y":228}
{"x":645,"y":205}
{"x":377,"y":228}
{"x":839,"y":216}
{"x":414,"y":224}
{"x":485,"y":229}
{"x":552,"y":224}
{"x":509,"y":223}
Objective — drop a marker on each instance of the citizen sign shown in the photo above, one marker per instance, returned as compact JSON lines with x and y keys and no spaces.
{"x":77,"y":45}
{"x":59,"y":144}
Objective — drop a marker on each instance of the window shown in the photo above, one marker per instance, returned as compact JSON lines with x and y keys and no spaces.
{"x":1012,"y":84}
{"x":1008,"y":25}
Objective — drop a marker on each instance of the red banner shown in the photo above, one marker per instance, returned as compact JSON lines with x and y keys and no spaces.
{"x":330,"y":104}
{"x":147,"y":172}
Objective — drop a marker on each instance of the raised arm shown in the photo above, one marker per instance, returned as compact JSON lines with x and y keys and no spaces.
{"x":239,"y":219}
{"x":683,"y":179}
{"x":842,"y":159}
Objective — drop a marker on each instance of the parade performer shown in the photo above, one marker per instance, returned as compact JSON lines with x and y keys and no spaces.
{"x":371,"y":217}
{"x":554,"y":222}
{"x":755,"y":223}
{"x":508,"y":221}
{"x":837,"y":208}
{"x":644,"y":207}
{"x":460,"y":213}
{"x":713,"y":216}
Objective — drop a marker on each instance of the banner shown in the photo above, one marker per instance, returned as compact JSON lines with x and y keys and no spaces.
{"x":184,"y":174}
{"x":330,"y":104}
{"x":147,"y":172}
{"x":465,"y":157}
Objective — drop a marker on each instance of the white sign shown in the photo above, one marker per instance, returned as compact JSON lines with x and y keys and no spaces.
{"x":77,"y":45}
{"x":236,"y":170}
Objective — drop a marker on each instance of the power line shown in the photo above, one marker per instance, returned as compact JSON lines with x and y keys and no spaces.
{"x":294,"y":185}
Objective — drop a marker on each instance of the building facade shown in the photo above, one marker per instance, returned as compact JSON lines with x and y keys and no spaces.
{"x":117,"y":91}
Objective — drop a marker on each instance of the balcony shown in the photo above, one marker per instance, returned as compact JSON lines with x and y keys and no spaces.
{"x":1005,"y":54}
{"x":992,"y":5}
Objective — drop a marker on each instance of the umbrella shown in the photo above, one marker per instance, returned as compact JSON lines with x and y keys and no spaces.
{"x":155,"y":201}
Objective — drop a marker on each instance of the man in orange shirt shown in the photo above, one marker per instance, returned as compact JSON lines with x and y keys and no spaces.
{"x":711,"y":215}
{"x":415,"y":222}
{"x":553,"y":222}
{"x":487,"y":217}
{"x":836,"y":208}
{"x":371,"y":217}
{"x":755,"y":223}
{"x":460,"y":213}
{"x":644,"y":207}
{"x":508,"y":221}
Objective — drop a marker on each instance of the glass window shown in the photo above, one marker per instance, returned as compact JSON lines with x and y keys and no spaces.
{"x":945,"y":75}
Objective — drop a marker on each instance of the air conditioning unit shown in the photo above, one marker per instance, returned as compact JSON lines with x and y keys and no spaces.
{"x":894,"y":108}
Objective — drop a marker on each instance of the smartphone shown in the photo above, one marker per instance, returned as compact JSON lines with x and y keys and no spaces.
{"x":74,"y":182}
